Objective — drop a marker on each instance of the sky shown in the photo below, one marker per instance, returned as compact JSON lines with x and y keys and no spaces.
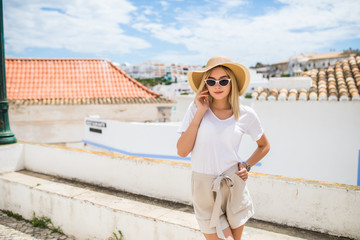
{"x":179,"y":31}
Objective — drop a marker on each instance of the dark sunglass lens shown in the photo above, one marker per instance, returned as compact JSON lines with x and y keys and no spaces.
{"x":210,"y":82}
{"x":224,"y":82}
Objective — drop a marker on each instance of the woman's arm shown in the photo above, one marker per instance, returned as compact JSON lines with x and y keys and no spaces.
{"x":260,"y":152}
{"x":186,"y":141}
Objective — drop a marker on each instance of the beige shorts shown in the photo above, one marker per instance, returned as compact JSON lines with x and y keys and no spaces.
{"x":220,"y":201}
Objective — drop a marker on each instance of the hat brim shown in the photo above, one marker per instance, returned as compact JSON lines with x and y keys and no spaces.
{"x":241,"y":73}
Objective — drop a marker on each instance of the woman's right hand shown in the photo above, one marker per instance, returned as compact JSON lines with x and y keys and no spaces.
{"x":202,"y":101}
{"x":187,"y":139}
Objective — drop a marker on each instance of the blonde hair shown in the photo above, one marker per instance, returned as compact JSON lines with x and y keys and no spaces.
{"x":233,"y":97}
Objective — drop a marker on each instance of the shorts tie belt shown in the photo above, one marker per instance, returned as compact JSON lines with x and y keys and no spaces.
{"x":216,"y":187}
{"x":218,"y":199}
{"x":209,"y":208}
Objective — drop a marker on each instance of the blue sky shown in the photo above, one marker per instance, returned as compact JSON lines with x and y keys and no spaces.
{"x":179,"y":31}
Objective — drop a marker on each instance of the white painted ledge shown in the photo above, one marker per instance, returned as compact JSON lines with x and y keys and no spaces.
{"x":319,"y":206}
{"x":86,"y":214}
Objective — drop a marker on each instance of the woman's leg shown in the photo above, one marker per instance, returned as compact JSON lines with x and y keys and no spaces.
{"x":227,"y":233}
{"x":237,"y":232}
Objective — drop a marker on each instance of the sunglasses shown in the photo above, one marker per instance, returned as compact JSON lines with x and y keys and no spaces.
{"x":221,"y":82}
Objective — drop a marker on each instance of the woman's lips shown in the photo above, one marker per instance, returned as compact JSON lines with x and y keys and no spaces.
{"x":217,"y":92}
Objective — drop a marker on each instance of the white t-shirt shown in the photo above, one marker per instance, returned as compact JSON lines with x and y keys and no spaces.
{"x":218,"y":141}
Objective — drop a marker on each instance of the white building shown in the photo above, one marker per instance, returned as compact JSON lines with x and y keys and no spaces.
{"x":148,"y":69}
{"x":256,"y":80}
{"x":317,"y":60}
{"x":151,"y":69}
{"x":307,"y":61}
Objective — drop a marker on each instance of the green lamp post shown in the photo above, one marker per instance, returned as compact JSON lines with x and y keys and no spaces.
{"x":6,"y":136}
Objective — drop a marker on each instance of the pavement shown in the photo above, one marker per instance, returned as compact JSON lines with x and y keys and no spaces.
{"x":12,"y":229}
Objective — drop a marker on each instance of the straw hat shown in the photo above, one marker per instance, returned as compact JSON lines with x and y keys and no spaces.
{"x":241,"y":73}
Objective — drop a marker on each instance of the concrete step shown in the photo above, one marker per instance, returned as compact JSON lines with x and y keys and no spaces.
{"x":85,"y":211}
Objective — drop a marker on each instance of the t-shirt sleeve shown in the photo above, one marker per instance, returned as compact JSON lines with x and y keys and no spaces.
{"x":254,"y":128}
{"x":189,"y":115}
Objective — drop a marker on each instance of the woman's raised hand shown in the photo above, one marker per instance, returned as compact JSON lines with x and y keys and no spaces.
{"x":202,"y":101}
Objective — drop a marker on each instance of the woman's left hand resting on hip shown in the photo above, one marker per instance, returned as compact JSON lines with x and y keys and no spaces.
{"x":242,"y":173}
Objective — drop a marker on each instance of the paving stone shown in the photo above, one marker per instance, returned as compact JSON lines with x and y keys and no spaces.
{"x":12,"y":229}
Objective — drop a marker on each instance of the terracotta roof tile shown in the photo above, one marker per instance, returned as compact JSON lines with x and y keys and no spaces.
{"x":73,"y":81}
{"x":336,"y":83}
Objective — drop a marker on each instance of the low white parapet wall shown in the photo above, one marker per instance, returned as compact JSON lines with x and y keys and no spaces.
{"x":319,"y":206}
{"x":151,"y":177}
{"x":11,"y":157}
{"x":85,"y":214}
{"x":307,"y":138}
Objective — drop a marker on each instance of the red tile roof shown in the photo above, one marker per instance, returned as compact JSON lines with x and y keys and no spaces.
{"x":336,"y":83}
{"x":62,"y":81}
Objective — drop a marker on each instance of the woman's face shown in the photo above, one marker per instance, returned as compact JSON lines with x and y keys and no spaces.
{"x":217,"y":91}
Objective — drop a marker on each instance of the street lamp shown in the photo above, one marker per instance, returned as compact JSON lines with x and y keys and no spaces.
{"x":6,"y":136}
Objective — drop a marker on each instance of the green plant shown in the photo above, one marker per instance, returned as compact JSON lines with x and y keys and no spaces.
{"x":14,"y":215}
{"x":56,"y":229}
{"x":41,"y":222}
{"x":150,"y":82}
{"x":44,"y":222}
{"x":120,"y":235}
{"x":248,"y":95}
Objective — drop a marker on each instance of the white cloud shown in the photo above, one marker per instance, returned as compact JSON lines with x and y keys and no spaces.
{"x":164,"y":5}
{"x":205,"y":29}
{"x":299,"y":26}
{"x":232,"y":3}
{"x":87,"y":26}
{"x":178,"y":57}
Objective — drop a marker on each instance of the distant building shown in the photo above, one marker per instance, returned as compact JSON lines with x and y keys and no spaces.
{"x":151,"y":69}
{"x":148,"y":69}
{"x":317,"y":60}
{"x":273,"y":70}
{"x":256,"y":80}
{"x":338,"y":82}
{"x":296,"y":65}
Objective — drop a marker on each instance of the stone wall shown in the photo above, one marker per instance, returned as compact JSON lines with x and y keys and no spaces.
{"x":64,"y":123}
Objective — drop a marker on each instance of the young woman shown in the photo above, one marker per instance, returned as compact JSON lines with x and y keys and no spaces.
{"x":211,"y":131}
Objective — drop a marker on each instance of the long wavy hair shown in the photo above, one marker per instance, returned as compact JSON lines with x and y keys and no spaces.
{"x":233,"y":97}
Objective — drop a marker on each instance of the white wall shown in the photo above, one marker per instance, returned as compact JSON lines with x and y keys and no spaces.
{"x":306,"y":204}
{"x":78,"y":211}
{"x":11,"y":157}
{"x":182,"y":104}
{"x":290,"y":82}
{"x":156,"y":140}
{"x":312,"y":140}
{"x":64,"y":123}
{"x":132,"y":174}
{"x":318,"y":206}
